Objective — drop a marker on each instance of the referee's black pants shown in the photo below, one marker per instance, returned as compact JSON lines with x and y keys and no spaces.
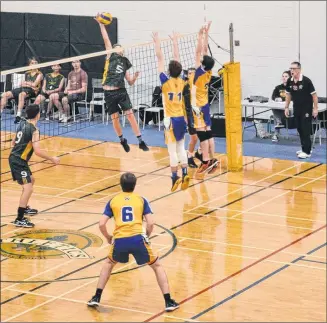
{"x":304,"y":126}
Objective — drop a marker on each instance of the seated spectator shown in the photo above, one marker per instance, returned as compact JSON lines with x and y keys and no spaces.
{"x":75,"y":90}
{"x":27,"y":90}
{"x":279,"y":95}
{"x":52,"y":85}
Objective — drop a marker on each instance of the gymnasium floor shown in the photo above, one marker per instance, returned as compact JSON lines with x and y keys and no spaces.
{"x":248,"y":246}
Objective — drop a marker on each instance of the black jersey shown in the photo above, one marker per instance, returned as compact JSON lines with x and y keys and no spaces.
{"x":23,"y":148}
{"x":279,"y":92}
{"x":53,"y":81}
{"x":115,"y":69}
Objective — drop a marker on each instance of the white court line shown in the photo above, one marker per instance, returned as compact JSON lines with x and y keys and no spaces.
{"x":111,"y":176}
{"x":252,"y":258}
{"x":275,"y":197}
{"x":104,"y":305}
{"x":304,"y":177}
{"x":61,"y":295}
{"x":242,"y":188}
{"x":256,"y":213}
{"x":246,"y":247}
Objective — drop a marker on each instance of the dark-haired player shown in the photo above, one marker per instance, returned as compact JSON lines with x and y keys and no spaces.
{"x":25,"y":143}
{"x":27,"y":90}
{"x":115,"y":94}
{"x":174,"y":112}
{"x":129,"y":210}
{"x":201,"y":108}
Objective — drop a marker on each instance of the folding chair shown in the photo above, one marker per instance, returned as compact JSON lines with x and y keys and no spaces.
{"x":84,"y":101}
{"x":16,"y":80}
{"x":97,"y":97}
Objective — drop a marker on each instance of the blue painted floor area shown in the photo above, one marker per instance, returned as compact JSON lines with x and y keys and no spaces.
{"x":252,"y":145}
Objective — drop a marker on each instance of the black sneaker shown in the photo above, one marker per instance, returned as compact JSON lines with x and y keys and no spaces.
{"x":176,"y":183}
{"x":198,"y":156}
{"x":17,"y":119}
{"x":30,"y":211}
{"x":94,"y":301}
{"x":24,"y":223}
{"x":171,"y":305}
{"x":191,"y":163}
{"x":143,"y":146}
{"x":125,"y":145}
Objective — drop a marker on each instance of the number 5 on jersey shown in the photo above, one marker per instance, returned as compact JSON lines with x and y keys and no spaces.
{"x":127,"y":214}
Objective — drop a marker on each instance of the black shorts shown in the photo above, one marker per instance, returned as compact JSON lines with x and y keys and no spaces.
{"x":20,"y":170}
{"x":28,"y":90}
{"x":191,"y":131}
{"x":117,"y":100}
{"x":46,"y":96}
{"x":72,"y":97}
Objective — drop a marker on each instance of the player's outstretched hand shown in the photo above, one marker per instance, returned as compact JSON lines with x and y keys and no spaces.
{"x":174,"y":36}
{"x":55,"y":160}
{"x":136,"y":75}
{"x":97,"y":20}
{"x":207,"y":28}
{"x":155,"y":36}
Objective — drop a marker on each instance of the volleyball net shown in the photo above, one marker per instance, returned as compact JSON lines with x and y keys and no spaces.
{"x":62,"y":111}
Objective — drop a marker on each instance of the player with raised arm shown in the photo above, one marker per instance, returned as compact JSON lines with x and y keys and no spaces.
{"x":174,"y":112}
{"x":129,"y":209}
{"x":201,"y":108}
{"x":116,"y":97}
{"x":25,"y":143}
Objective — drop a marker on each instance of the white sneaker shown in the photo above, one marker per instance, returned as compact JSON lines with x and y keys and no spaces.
{"x":299,"y":152}
{"x":274,"y":138}
{"x":303,"y":155}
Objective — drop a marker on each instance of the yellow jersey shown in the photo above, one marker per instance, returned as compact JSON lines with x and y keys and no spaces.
{"x":128,"y":210}
{"x":201,"y":81}
{"x":172,"y":95}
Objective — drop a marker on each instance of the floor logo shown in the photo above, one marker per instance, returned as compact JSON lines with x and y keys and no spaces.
{"x":49,"y":244}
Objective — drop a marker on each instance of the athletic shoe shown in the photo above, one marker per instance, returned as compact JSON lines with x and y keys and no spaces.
{"x":176,"y":183}
{"x":203,"y":168}
{"x":303,"y":155}
{"x":24,"y":223}
{"x":47,"y":117}
{"x":92,"y":117}
{"x":274,"y":138}
{"x":191,"y":163}
{"x":17,"y":119}
{"x":198,"y":156}
{"x":125,"y":145}
{"x":299,"y":152}
{"x":185,"y":182}
{"x":30,"y":211}
{"x":171,"y":305}
{"x":143,"y":146}
{"x":94,"y":301}
{"x":213,"y":166}
{"x":279,"y":125}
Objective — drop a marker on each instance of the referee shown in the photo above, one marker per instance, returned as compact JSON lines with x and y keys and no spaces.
{"x":300,"y":89}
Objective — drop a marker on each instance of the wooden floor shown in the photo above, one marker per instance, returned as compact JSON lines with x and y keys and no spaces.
{"x":247,"y":246}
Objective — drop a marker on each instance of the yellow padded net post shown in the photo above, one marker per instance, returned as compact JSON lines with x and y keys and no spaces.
{"x":233,"y":113}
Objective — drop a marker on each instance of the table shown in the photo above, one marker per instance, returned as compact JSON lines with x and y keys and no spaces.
{"x":267,"y":106}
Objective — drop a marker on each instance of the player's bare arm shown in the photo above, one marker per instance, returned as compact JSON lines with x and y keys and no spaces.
{"x":103,"y":228}
{"x":39,"y":152}
{"x":160,"y":57}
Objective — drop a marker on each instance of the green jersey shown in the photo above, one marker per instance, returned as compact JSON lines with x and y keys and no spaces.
{"x":115,"y":69}
{"x":23,"y":148}
{"x":53,"y":81}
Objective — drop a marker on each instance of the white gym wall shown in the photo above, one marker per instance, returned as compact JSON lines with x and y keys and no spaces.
{"x":269,"y":31}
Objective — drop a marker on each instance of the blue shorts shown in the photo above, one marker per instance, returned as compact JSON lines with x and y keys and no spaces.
{"x":137,"y":246}
{"x":177,"y":130}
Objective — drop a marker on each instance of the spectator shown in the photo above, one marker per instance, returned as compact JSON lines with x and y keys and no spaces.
{"x":75,"y":90}
{"x":279,"y":95}
{"x":27,"y":90}
{"x":52,"y":85}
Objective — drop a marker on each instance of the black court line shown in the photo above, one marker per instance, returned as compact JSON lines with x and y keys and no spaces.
{"x":257,"y":282}
{"x":61,"y":155}
{"x":318,"y":262}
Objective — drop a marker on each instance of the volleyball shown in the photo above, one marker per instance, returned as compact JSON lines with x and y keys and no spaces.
{"x":105,"y":18}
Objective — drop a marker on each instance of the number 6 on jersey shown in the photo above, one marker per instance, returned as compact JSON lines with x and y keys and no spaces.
{"x":127,"y":214}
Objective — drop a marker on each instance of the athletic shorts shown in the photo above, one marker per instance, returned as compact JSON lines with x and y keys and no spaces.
{"x":20,"y":170}
{"x":191,"y":130}
{"x":117,"y":101}
{"x":137,"y":246}
{"x":72,"y":97}
{"x":28,"y":90}
{"x":204,"y":119}
{"x":176,"y":130}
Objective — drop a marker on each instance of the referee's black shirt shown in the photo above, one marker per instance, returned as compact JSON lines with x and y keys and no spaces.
{"x":301,"y":92}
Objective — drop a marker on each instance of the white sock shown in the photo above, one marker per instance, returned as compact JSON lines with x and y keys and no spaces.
{"x":19,"y":113}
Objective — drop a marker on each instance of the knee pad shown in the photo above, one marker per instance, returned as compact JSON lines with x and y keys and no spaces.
{"x":202,"y":135}
{"x":173,"y":157}
{"x":181,"y":152}
{"x":209,"y":134}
